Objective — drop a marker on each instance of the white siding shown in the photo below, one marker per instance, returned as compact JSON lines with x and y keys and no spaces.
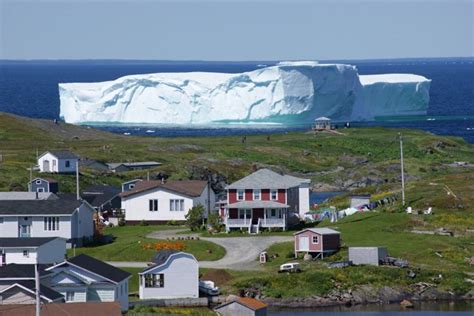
{"x":85,"y":222}
{"x":56,"y":165}
{"x":16,"y":256}
{"x":17,"y":295}
{"x":181,"y":279}
{"x":80,"y":294}
{"x":303,"y":199}
{"x":37,"y":227}
{"x":9,"y":227}
{"x":203,"y":200}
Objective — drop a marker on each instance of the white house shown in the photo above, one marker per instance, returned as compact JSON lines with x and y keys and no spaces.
{"x":45,"y":250}
{"x":59,"y":161}
{"x":174,"y":274}
{"x":63,"y":217}
{"x":160,"y":202}
{"x":85,"y":279}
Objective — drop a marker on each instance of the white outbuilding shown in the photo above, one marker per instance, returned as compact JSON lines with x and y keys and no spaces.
{"x":58,"y":161}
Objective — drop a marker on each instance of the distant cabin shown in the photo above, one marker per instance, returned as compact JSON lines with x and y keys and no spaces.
{"x":130,"y":185}
{"x":131,"y":166}
{"x":318,"y":241}
{"x":322,"y":123}
{"x":359,"y":200}
{"x":174,"y":274}
{"x":43,"y":185}
{"x":58,"y":161}
{"x":242,"y":306}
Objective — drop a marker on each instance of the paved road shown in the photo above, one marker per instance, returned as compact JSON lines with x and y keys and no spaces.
{"x":241,"y":252}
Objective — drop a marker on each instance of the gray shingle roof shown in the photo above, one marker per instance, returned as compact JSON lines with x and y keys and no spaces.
{"x":267,"y":179}
{"x":62,"y":154}
{"x":320,"y":231}
{"x":257,"y":204}
{"x":97,"y":195}
{"x":26,"y":195}
{"x":162,"y":256}
{"x":30,"y":284}
{"x":24,"y":242}
{"x":21,"y":271}
{"x":61,"y":206}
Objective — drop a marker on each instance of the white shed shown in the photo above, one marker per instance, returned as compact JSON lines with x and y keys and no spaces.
{"x":59,"y":161}
{"x":45,"y":250}
{"x":174,"y":274}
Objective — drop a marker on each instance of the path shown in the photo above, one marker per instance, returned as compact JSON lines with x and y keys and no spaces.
{"x":241,"y":252}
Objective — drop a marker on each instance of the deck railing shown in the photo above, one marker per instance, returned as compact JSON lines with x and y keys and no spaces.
{"x":238,"y":222}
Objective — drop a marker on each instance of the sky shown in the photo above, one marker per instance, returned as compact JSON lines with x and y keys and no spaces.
{"x":234,"y":30}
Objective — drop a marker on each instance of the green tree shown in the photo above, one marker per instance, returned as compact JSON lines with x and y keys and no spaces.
{"x":215,"y":222}
{"x":195,"y":217}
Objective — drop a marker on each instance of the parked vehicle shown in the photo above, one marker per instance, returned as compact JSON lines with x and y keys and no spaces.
{"x":290,"y":267}
{"x":209,"y":288}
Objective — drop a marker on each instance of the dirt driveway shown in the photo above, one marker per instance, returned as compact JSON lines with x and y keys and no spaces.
{"x":241,"y":252}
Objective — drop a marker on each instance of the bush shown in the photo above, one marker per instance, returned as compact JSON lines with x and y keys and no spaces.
{"x":195,"y":217}
{"x":215,"y":222}
{"x":121,"y":222}
{"x":143,"y":223}
{"x":173,"y":223}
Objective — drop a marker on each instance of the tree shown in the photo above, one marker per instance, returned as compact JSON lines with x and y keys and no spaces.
{"x":215,"y":222}
{"x":194,"y":217}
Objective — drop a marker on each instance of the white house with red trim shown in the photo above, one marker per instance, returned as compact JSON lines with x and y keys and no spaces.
{"x":265,"y":199}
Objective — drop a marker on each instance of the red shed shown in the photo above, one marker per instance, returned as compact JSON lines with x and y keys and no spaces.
{"x":319,"y":241}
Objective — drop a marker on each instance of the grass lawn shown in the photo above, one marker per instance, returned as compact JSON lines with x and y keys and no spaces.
{"x":129,"y":242}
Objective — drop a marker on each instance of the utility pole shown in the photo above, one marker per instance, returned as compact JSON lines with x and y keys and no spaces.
{"x":37,"y":287}
{"x":402,"y":169}
{"x":78,"y":196}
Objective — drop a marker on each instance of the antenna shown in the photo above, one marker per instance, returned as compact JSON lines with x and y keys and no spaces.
{"x":402,"y":169}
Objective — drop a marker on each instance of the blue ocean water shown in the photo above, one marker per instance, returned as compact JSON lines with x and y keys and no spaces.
{"x":30,"y":88}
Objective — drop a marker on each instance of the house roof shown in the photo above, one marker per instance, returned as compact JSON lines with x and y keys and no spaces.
{"x":323,"y":118}
{"x":162,"y":257}
{"x":320,"y":231}
{"x":14,"y":270}
{"x":45,"y":291}
{"x":113,"y":165}
{"x":248,"y":302}
{"x":61,"y":154}
{"x":97,"y":195}
{"x":191,"y":188}
{"x":70,"y":309}
{"x":60,"y":206}
{"x":50,"y":180}
{"x":26,"y":196}
{"x":267,"y":179}
{"x":24,"y":242}
{"x":99,"y":267}
{"x":257,"y":204}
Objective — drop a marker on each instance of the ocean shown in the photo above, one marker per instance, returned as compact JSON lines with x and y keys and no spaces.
{"x":30,"y":88}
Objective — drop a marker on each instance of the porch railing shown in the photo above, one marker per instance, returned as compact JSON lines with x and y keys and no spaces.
{"x":238,"y":222}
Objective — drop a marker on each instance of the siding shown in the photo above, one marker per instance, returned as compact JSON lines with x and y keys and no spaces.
{"x":17,"y":295}
{"x":181,"y":279}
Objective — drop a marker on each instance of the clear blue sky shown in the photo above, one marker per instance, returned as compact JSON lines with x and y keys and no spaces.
{"x":235,"y":30}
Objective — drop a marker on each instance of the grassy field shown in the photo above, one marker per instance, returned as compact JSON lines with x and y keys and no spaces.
{"x":366,"y":157}
{"x":129,"y":245}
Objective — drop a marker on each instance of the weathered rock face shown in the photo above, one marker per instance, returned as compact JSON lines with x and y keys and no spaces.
{"x":218,"y":181}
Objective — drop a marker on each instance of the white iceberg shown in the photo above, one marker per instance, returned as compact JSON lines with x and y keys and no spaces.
{"x":288,"y":93}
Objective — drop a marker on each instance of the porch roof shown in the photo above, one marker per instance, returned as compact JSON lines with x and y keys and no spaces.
{"x":257,"y":204}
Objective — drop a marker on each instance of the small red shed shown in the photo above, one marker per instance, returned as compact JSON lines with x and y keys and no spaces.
{"x":319,"y":241}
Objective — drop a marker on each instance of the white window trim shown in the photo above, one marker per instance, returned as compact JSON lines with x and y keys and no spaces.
{"x":243,"y":195}
{"x":271,"y":195}
{"x":26,"y":253}
{"x":151,"y":208}
{"x":259,"y":194}
{"x":38,"y":181}
{"x":312,"y":239}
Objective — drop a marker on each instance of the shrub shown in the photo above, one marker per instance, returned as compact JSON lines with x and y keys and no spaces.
{"x":215,"y":222}
{"x":143,"y":223}
{"x":195,"y":217}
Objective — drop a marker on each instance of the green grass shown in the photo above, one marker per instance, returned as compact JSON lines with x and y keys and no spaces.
{"x":133,"y":282}
{"x":129,"y":242}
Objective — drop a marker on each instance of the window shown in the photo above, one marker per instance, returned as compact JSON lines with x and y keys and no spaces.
{"x":1,"y":220}
{"x":177,"y":205}
{"x":69,"y":296}
{"x":315,"y":239}
{"x":240,"y":195}
{"x":39,"y":190}
{"x":256,"y":194}
{"x":155,"y":280}
{"x":153,"y":205}
{"x":272,"y":212}
{"x":68,"y":164}
{"x":245,"y":213}
{"x":51,"y":223}
{"x":26,"y":253}
{"x":38,"y":181}
{"x":131,"y":186}
{"x":274,"y":195}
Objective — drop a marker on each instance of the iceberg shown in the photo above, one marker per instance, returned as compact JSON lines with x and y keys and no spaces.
{"x":289,"y":93}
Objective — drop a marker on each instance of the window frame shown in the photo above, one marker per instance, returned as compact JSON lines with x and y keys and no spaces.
{"x":38,"y":182}
{"x":152,"y":280}
{"x":69,"y":295}
{"x":317,"y":239}
{"x":67,"y":164}
{"x":276,"y":194}
{"x":257,"y":193}
{"x":26,"y":253}
{"x":153,"y":205}
{"x":238,"y":194}
{"x":51,"y":223}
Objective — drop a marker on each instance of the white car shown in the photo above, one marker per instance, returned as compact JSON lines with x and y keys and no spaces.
{"x":290,"y":267}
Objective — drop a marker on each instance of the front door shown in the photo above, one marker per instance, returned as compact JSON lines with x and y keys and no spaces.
{"x":46,"y":166}
{"x":304,"y":243}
